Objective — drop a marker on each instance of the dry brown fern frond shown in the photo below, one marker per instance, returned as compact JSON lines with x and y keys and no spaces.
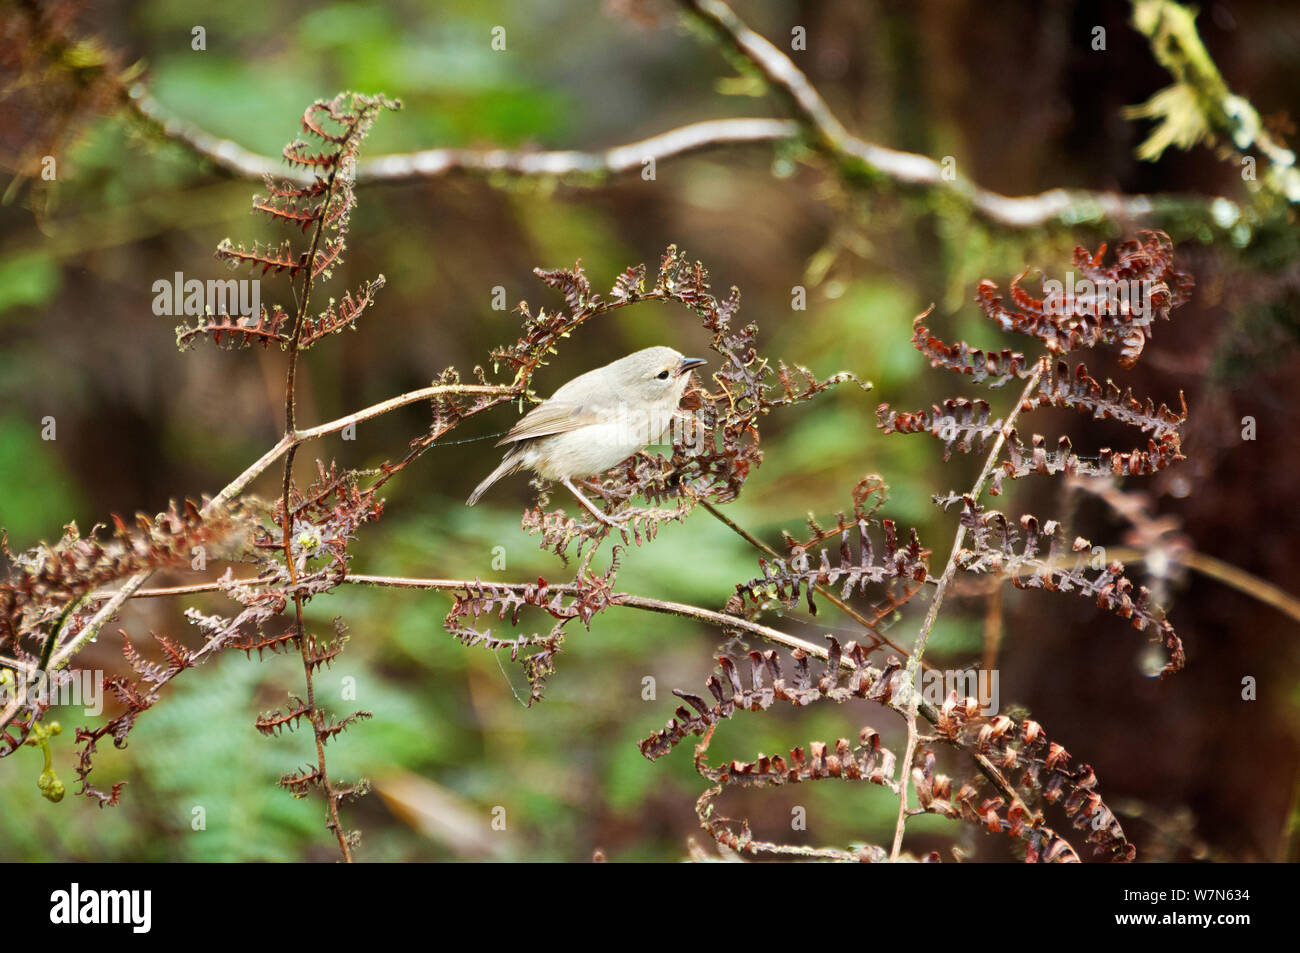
{"x":323,"y":208}
{"x":1103,"y":313}
{"x":1015,"y":774}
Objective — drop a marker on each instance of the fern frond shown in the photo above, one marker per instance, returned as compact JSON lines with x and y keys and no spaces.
{"x":1033,"y":770}
{"x":1061,"y":387}
{"x":298,"y":153}
{"x":341,"y":314}
{"x":768,"y":684}
{"x":1098,"y":315}
{"x":960,"y":423}
{"x":1041,"y":772}
{"x":281,"y":258}
{"x":276,"y":722}
{"x":992,"y":367}
{"x":588,"y":596}
{"x":995,"y":550}
{"x":782,"y":580}
{"x":136,"y":697}
{"x":231,"y":332}
{"x":47,"y":578}
{"x":300,"y":783}
{"x":335,"y":727}
{"x":964,"y":425}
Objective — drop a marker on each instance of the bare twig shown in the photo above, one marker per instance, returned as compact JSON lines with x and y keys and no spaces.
{"x":1240,"y":580}
{"x":240,"y":483}
{"x":906,"y":167}
{"x":619,"y":160}
{"x":437,"y":163}
{"x":629,"y":601}
{"x":816,"y":123}
{"x":237,"y":486}
{"x":904,"y":774}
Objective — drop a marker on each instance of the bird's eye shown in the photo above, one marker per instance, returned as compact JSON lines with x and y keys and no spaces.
{"x":662,"y":375}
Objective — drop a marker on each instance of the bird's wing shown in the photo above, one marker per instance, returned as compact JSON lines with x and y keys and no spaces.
{"x":550,"y":417}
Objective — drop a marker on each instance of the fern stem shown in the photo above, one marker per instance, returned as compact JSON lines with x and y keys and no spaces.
{"x":904,"y":774}
{"x":949,"y":571}
{"x":290,"y":394}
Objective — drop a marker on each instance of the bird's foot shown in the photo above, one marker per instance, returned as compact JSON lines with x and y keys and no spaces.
{"x":613,"y":521}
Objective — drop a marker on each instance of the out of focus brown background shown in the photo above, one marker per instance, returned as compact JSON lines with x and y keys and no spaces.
{"x":1014,"y":92}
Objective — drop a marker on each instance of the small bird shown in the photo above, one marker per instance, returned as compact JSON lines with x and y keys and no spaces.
{"x":597,"y":420}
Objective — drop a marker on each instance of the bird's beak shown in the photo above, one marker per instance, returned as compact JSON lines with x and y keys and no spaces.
{"x":687,"y":363}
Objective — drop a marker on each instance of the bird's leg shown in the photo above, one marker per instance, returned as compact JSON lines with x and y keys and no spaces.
{"x":591,"y":507}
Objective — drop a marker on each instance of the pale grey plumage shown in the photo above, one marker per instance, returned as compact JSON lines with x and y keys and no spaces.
{"x":597,"y":420}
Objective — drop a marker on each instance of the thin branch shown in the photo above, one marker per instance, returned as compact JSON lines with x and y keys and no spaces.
{"x":904,"y":773}
{"x":591,"y":168}
{"x":777,"y":68}
{"x":436,"y":163}
{"x":619,"y":160}
{"x":507,"y":391}
{"x":618,"y":599}
{"x":166,"y":592}
{"x":236,"y":486}
{"x":1240,"y":580}
{"x":626,"y":600}
{"x":906,"y":167}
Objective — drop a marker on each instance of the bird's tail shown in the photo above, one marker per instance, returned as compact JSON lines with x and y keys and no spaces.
{"x":509,"y":464}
